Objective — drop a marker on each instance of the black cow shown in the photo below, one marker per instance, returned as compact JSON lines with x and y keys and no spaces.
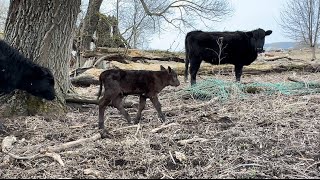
{"x":237,"y":48}
{"x":18,"y":72}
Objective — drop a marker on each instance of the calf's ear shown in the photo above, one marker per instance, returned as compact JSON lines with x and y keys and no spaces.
{"x":162,"y":68}
{"x":268,"y":32}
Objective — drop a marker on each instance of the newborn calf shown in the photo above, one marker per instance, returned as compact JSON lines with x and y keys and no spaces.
{"x":147,"y":84}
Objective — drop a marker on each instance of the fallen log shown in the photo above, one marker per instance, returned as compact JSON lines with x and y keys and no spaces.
{"x":174,"y":59}
{"x":71,"y":144}
{"x":277,"y":58}
{"x":113,"y":57}
{"x":79,"y":71}
{"x":75,"y":98}
{"x":276,"y":69}
{"x":84,"y":80}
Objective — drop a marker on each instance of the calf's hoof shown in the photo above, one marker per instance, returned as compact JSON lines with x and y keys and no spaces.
{"x":3,"y":129}
{"x":105,"y":134}
{"x":136,"y":122}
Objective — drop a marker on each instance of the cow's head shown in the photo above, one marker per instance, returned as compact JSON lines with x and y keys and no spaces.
{"x":39,"y":82}
{"x":257,"y":38}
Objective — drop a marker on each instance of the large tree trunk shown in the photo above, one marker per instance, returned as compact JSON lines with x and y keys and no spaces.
{"x":42,"y":31}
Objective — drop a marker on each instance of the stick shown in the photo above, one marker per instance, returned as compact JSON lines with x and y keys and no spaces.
{"x":174,"y":162}
{"x":155,"y":130}
{"x":294,"y":80}
{"x":187,"y":106}
{"x":138,"y":128}
{"x":71,"y":144}
{"x":127,"y":127}
{"x":7,"y":144}
{"x":192,"y":140}
{"x":79,"y":126}
{"x":276,"y":58}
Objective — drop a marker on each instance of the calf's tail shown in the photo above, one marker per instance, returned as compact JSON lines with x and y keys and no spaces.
{"x":100,"y":89}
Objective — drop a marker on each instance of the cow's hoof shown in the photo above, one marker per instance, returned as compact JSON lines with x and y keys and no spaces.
{"x":105,"y":134}
{"x":167,"y":122}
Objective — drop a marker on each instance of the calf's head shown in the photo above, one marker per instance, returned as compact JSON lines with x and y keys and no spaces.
{"x":257,"y":38}
{"x":172,"y":76}
{"x":39,"y":82}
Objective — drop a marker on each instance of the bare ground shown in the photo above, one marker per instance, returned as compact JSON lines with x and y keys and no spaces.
{"x":261,"y":136}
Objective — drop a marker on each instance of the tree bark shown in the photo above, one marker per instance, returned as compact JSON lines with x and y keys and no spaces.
{"x":42,"y":31}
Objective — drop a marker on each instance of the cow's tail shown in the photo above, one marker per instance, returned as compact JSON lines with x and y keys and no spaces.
{"x":186,"y":69}
{"x":100,"y":89}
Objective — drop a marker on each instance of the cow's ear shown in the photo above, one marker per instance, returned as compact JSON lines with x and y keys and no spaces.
{"x":169,"y":69}
{"x":37,"y":72}
{"x":249,"y":34}
{"x":162,"y":68}
{"x":268,"y":32}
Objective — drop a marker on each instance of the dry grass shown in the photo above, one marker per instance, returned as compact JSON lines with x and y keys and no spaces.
{"x":261,"y":136}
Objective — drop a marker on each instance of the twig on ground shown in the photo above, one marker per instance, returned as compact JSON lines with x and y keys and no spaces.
{"x":71,"y":144}
{"x":155,"y":130}
{"x":192,"y":140}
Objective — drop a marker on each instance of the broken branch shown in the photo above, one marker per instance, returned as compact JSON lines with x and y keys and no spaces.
{"x":158,"y":129}
{"x":192,"y":140}
{"x":71,"y":144}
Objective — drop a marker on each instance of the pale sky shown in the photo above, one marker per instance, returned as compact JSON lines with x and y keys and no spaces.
{"x":248,"y":15}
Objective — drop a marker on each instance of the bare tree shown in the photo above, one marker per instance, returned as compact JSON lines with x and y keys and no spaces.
{"x":90,"y":23}
{"x":140,"y":19}
{"x":300,"y":21}
{"x":186,"y":13}
{"x":220,"y":51}
{"x":4,"y":6}
{"x":42,"y":31}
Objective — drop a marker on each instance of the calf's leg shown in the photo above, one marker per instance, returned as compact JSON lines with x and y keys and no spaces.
{"x":117,"y":102}
{"x":157,"y":105}
{"x":102,"y":107}
{"x":142,"y":105}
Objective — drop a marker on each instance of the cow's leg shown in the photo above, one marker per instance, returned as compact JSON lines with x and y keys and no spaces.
{"x":157,"y":105}
{"x":117,"y":102}
{"x":142,"y":105}
{"x":238,"y":72}
{"x":186,"y":70}
{"x":194,"y":67}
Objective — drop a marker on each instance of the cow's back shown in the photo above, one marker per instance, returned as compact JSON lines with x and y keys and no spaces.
{"x":235,"y":47}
